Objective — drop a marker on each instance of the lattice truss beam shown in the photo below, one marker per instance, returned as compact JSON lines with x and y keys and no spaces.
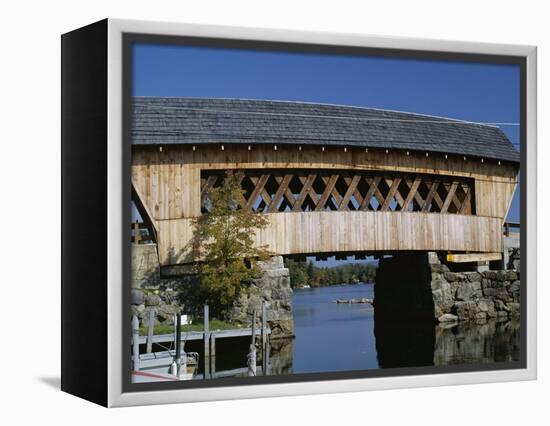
{"x":272,"y":191}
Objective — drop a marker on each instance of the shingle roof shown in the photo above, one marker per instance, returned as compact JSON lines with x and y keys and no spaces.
{"x":158,"y":120}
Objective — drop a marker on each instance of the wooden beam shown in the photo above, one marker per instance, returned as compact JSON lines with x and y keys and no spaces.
{"x":430,"y":196}
{"x":398,"y":197}
{"x":379,"y":196}
{"x":259,"y":186}
{"x":473,"y":257}
{"x":358,"y":196}
{"x":349,"y":192}
{"x":334,"y":192}
{"x":283,"y":186}
{"x":290,"y":198}
{"x":391,"y":193}
{"x":306,"y":189}
{"x":373,"y":187}
{"x":327,"y":192}
{"x":438,"y":200}
{"x":466,"y":207}
{"x":144,"y":210}
{"x":449,"y":197}
{"x":412,"y":192}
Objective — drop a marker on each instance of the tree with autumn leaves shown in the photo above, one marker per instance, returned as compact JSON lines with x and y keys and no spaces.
{"x":223,"y":242}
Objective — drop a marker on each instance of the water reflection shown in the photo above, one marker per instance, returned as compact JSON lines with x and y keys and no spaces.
{"x":404,"y":344}
{"x":477,"y":343}
{"x":345,"y":337}
{"x":340,"y":337}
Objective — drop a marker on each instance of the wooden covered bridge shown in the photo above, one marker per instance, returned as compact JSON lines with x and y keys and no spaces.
{"x":333,"y":180}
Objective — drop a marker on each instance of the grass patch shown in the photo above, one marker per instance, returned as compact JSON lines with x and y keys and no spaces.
{"x":214,"y":324}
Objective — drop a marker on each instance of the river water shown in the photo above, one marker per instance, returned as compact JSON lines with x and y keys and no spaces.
{"x":340,"y":337}
{"x":334,"y":337}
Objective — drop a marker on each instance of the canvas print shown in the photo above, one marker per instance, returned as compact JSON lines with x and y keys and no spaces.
{"x":298,"y":213}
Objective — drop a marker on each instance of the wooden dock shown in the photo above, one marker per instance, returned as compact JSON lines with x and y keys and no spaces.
{"x":158,"y":359}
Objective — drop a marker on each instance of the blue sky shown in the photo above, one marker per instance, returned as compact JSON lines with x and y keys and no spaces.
{"x":468,"y":91}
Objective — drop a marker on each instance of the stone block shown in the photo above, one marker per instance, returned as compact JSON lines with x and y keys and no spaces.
{"x":490,"y":275}
{"x":465,"y":292}
{"x":487,"y":306}
{"x":448,"y":318}
{"x":439,"y":284}
{"x":481,"y":317}
{"x":453,"y":276}
{"x":145,"y":266}
{"x":497,"y":293}
{"x":473,"y":276}
{"x":501,"y":306}
{"x":137,"y":297}
{"x":476,"y":286}
{"x":465,"y":311}
{"x":433,"y":259}
{"x":152,"y":300}
{"x":514,"y":287}
{"x":439,"y":268}
{"x":273,"y":288}
{"x":436,"y":276}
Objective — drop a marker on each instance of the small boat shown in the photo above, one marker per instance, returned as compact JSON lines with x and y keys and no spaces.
{"x":162,"y":366}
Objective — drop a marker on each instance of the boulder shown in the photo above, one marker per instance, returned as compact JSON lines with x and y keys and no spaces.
{"x":453,"y":276}
{"x":439,"y":268}
{"x":476,"y":286}
{"x":273,"y":287}
{"x":152,"y":300}
{"x":497,"y":293}
{"x":168,"y":310}
{"x":465,"y":292}
{"x":501,"y":275}
{"x":490,"y":275}
{"x":514,"y":287}
{"x":512,"y":275}
{"x":473,"y":276}
{"x":448,"y":318}
{"x":465,"y":311}
{"x":137,"y":297}
{"x":487,"y":306}
{"x":501,"y":306}
{"x":443,"y":297}
{"x":433,"y":258}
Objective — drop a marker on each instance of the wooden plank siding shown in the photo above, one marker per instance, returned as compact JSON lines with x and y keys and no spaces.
{"x":169,"y":181}
{"x":341,"y":231}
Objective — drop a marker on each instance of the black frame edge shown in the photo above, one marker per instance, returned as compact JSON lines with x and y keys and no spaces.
{"x":84,"y":212}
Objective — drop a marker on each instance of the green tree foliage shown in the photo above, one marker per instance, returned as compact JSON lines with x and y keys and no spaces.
{"x":223,"y":242}
{"x":302,"y":273}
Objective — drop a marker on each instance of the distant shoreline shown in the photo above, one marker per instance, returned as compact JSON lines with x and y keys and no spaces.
{"x":334,"y":285}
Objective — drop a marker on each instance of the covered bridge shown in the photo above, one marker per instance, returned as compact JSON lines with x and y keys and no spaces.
{"x":333,"y":180}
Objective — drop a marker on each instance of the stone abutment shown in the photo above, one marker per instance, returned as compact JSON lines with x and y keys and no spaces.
{"x":418,"y":286}
{"x":177,"y":294}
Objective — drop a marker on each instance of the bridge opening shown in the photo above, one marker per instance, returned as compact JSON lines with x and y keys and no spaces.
{"x":305,"y":190}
